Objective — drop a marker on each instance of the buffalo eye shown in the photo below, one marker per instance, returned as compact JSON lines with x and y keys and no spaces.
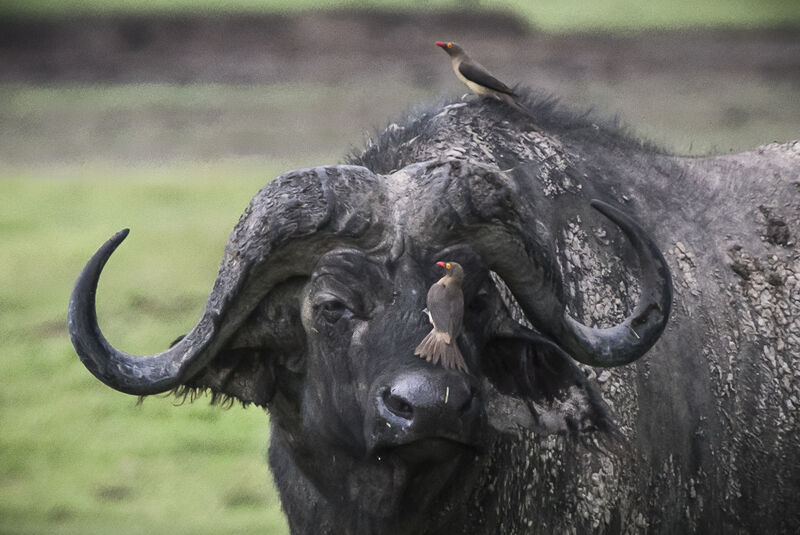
{"x":332,"y":311}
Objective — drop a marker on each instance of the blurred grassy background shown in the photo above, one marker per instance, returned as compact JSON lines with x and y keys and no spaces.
{"x":176,"y":152}
{"x":549,"y":15}
{"x":77,"y":457}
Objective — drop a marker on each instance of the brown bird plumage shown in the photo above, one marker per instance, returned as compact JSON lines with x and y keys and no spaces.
{"x":446,"y":312}
{"x":479,"y":80}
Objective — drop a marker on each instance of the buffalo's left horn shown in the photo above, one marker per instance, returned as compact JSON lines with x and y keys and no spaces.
{"x":632,"y":338}
{"x":288,"y":225}
{"x":539,"y":290}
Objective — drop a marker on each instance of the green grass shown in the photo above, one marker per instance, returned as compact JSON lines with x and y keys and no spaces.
{"x":626,"y":15}
{"x":550,"y":15}
{"x":78,"y":457}
{"x":136,"y":122}
{"x":308,"y":124}
{"x":700,"y":115}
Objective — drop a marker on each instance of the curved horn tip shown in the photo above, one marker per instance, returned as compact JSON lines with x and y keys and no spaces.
{"x":119,"y":237}
{"x":111,"y":244}
{"x":123,"y":372}
{"x":91,"y":271}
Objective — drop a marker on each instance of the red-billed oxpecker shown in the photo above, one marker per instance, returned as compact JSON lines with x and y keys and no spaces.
{"x":479,"y":80}
{"x":445,"y":311}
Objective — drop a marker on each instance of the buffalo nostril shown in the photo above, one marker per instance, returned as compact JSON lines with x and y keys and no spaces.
{"x":398,"y":405}
{"x":428,"y":403}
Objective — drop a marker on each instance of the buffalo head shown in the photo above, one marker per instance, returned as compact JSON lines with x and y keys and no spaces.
{"x":317,"y":309}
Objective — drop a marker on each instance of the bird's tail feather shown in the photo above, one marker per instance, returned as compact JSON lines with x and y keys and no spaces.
{"x":434,"y":348}
{"x":511,"y":101}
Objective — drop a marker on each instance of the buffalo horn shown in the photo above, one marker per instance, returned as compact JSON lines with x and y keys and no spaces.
{"x":288,"y":225}
{"x":539,"y":290}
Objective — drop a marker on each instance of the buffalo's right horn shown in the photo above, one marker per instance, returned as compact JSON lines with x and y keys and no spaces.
{"x":286,"y":227}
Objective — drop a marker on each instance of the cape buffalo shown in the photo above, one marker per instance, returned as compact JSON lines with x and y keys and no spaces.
{"x":319,"y":301}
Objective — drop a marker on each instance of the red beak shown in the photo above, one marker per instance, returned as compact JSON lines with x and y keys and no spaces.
{"x":440,"y":264}
{"x":441,"y":44}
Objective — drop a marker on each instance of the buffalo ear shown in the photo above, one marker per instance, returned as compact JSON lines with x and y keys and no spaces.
{"x":267,"y":349}
{"x":540,"y":376}
{"x":245,"y":374}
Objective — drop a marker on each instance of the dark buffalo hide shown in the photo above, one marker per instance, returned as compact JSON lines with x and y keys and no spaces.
{"x":584,"y":409}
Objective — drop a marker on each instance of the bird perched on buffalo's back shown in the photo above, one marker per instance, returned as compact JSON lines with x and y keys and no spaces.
{"x":446,"y":312}
{"x":479,"y":80}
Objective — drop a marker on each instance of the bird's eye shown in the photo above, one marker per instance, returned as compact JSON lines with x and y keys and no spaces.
{"x":332,"y":311}
{"x":447,"y":265}
{"x":449,"y":45}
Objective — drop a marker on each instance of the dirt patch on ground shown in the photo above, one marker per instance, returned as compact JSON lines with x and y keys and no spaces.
{"x":681,"y":88}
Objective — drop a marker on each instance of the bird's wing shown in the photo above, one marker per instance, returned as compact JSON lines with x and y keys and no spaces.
{"x":457,"y":316}
{"x":438,"y":307}
{"x":477,"y":73}
{"x":446,"y":309}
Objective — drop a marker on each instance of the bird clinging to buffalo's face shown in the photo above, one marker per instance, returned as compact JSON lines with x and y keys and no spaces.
{"x":479,"y":80}
{"x":446,"y":312}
